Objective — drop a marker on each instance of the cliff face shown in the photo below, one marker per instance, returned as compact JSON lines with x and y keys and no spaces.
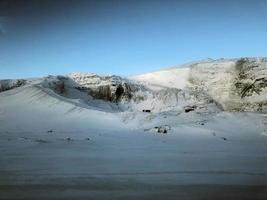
{"x":121,"y":92}
{"x":11,"y":84}
{"x":237,"y":85}
{"x":250,"y":83}
{"x":108,"y":88}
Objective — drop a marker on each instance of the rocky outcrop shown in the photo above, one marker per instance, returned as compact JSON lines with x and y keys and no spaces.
{"x":11,"y":84}
{"x":108,"y":88}
{"x":250,"y":83}
{"x":114,"y":93}
{"x":251,"y":78}
{"x":235,"y":85}
{"x":56,"y":83}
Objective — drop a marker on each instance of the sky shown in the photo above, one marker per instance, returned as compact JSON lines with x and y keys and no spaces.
{"x":125,"y":37}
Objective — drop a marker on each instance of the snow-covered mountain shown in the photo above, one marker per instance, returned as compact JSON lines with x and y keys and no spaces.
{"x":234,"y":84}
{"x":230,"y":85}
{"x":208,"y":86}
{"x":91,"y":137}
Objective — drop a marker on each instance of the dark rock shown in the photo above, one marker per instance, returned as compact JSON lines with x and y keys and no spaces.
{"x":148,"y":111}
{"x":162,"y":129}
{"x":189,"y":108}
{"x":224,"y":138}
{"x":11,"y":84}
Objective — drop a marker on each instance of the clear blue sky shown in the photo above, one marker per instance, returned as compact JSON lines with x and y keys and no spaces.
{"x":125,"y":37}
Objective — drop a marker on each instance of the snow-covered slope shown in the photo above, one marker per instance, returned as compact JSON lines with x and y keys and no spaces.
{"x":85,"y":136}
{"x":170,"y":78}
{"x":34,"y":107}
{"x":237,"y":85}
{"x":205,"y":86}
{"x":11,"y":84}
{"x":233,"y":84}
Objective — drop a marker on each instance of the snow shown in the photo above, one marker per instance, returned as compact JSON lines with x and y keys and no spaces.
{"x":70,"y":145}
{"x":35,"y":108}
{"x":172,"y":78}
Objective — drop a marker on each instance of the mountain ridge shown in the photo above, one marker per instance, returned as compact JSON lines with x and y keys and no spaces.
{"x":230,"y":84}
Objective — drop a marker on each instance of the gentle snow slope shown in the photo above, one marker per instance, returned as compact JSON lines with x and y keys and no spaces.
{"x":171,"y":78}
{"x":35,"y":108}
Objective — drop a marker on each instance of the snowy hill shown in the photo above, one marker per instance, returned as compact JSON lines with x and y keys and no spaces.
{"x":208,"y":86}
{"x":230,"y":85}
{"x":170,"y":78}
{"x":235,"y":84}
{"x":85,"y":136}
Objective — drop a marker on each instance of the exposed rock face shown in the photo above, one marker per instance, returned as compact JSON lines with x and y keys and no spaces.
{"x":108,"y":88}
{"x":56,"y":83}
{"x":11,"y":84}
{"x":251,"y":79}
{"x":235,"y":85}
{"x":113,"y":93}
{"x":251,"y":83}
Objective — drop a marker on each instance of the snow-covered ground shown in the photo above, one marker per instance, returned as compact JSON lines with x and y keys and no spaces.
{"x":80,"y":137}
{"x":170,"y":78}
